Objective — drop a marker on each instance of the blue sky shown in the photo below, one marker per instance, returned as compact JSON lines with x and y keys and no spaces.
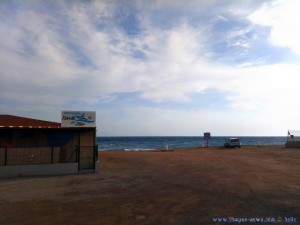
{"x":164,"y":67}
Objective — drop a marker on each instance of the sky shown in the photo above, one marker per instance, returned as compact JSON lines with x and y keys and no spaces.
{"x":154,"y":67}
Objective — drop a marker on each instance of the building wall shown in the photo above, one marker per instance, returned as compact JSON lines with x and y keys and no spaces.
{"x":292,"y":144}
{"x":87,"y":148}
{"x":38,"y":170}
{"x":24,"y":137}
{"x":32,"y":151}
{"x":29,"y":156}
{"x":2,"y":156}
{"x":67,"y":152}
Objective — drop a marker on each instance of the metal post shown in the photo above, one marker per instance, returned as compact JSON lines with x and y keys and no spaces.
{"x":5,"y":160}
{"x":52,"y":155}
{"x":96,"y":152}
{"x":78,"y":156}
{"x":95,"y":156}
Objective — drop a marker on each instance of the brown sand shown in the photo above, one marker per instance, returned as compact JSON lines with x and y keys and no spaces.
{"x":177,"y":187}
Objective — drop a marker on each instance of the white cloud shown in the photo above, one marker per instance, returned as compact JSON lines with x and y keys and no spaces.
{"x":82,"y":58}
{"x":173,"y":67}
{"x":223,"y":18}
{"x":282,"y":16}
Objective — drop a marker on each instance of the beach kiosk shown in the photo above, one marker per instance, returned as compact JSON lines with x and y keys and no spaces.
{"x":37,"y":147}
{"x":293,"y":139}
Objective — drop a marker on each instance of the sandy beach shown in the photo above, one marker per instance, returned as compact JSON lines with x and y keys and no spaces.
{"x":184,"y":186}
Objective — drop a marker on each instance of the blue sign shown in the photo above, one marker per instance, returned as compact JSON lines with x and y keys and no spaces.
{"x":207,"y":136}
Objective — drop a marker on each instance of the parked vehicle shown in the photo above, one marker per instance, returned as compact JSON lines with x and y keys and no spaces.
{"x":232,"y":142}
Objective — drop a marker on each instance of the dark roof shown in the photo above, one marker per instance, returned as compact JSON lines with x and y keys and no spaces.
{"x":9,"y":121}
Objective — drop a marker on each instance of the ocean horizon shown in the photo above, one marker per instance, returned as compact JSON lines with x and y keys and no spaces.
{"x":135,"y":143}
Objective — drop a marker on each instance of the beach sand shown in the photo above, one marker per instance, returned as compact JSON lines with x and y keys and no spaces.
{"x":184,"y":186}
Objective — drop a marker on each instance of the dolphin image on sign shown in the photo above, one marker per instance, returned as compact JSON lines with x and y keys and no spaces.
{"x":81,"y":118}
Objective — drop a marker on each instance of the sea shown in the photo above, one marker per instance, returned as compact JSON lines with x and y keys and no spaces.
{"x":163,"y":142}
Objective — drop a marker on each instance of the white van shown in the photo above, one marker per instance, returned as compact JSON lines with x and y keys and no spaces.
{"x":232,"y":142}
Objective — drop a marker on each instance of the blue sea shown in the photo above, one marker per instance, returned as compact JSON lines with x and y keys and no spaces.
{"x":157,"y":143}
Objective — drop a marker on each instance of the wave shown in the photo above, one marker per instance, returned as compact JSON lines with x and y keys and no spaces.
{"x":129,"y":149}
{"x":139,"y":149}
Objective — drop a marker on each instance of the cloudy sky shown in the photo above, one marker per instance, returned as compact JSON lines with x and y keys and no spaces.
{"x":154,"y":67}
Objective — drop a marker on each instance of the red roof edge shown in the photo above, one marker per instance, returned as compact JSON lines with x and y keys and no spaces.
{"x":10,"y":121}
